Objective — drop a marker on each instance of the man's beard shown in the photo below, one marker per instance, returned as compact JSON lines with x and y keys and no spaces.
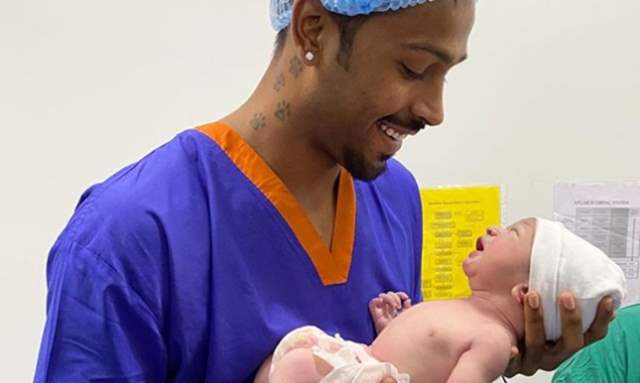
{"x":361,"y":169}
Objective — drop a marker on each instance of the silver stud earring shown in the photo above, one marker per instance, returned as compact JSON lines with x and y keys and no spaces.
{"x":309,"y":56}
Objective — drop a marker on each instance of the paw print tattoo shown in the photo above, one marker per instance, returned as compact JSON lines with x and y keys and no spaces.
{"x":280,"y":82}
{"x":283,"y":111}
{"x":258,"y":121}
{"x":295,"y":66}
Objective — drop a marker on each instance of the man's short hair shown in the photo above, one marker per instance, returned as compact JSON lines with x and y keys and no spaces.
{"x":348,"y":26}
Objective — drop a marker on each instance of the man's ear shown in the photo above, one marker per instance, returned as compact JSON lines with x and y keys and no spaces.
{"x":308,"y":23}
{"x":519,"y":291}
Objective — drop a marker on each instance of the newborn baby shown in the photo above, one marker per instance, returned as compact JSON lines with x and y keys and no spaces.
{"x":464,"y":340}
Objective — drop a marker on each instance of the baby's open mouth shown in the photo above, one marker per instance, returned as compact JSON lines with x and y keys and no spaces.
{"x":482,"y":242}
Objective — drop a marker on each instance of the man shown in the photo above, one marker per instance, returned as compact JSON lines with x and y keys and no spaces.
{"x":191,"y":264}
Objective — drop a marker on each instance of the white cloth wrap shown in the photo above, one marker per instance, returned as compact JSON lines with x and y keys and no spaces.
{"x":563,"y":262}
{"x":350,"y":361}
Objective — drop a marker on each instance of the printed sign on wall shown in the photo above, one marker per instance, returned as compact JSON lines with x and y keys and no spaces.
{"x":453,"y":218}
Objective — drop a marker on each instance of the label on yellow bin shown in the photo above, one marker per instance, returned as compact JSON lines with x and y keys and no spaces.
{"x":453,"y":218}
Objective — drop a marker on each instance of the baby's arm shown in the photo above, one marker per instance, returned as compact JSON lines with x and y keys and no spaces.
{"x":485,"y":360}
{"x":387,"y":306}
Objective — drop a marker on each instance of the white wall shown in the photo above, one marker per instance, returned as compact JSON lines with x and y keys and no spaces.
{"x":549,"y":93}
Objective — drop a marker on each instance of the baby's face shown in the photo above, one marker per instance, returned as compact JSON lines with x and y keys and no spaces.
{"x":502,"y":256}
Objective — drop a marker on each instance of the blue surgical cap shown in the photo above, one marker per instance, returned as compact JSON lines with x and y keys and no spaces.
{"x":281,"y":9}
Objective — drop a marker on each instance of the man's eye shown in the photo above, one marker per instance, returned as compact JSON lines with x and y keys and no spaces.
{"x":410,"y":74}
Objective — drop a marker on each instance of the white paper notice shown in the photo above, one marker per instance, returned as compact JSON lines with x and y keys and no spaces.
{"x":608,"y":216}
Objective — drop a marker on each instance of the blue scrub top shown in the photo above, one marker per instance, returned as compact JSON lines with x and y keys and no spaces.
{"x":191,"y":264}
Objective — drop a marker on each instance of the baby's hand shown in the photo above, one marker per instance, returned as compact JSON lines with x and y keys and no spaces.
{"x":387,"y":306}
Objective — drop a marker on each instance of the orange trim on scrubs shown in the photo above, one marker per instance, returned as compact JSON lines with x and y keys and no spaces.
{"x":331,"y":265}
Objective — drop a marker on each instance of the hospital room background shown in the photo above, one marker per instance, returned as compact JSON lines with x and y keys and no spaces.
{"x":549,"y":95}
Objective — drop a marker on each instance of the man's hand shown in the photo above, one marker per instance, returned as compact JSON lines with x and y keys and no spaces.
{"x":540,"y":355}
{"x":387,"y":306}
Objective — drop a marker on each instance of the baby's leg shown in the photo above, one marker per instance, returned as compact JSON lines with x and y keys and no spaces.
{"x":300,"y":366}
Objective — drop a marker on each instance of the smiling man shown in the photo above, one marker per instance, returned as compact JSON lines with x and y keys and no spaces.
{"x":191,"y":264}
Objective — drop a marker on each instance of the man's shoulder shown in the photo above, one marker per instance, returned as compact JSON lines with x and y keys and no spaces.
{"x":139,"y":200}
{"x":134,"y":222}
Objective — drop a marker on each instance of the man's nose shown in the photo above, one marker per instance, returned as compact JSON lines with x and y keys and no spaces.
{"x":429,"y":105}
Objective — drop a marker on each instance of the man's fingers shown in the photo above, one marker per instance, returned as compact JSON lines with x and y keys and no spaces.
{"x":572,"y":337}
{"x":406,"y":303}
{"x":536,"y":353}
{"x":534,"y":334}
{"x":600,"y":325}
{"x":534,"y":321}
{"x":388,"y":379}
